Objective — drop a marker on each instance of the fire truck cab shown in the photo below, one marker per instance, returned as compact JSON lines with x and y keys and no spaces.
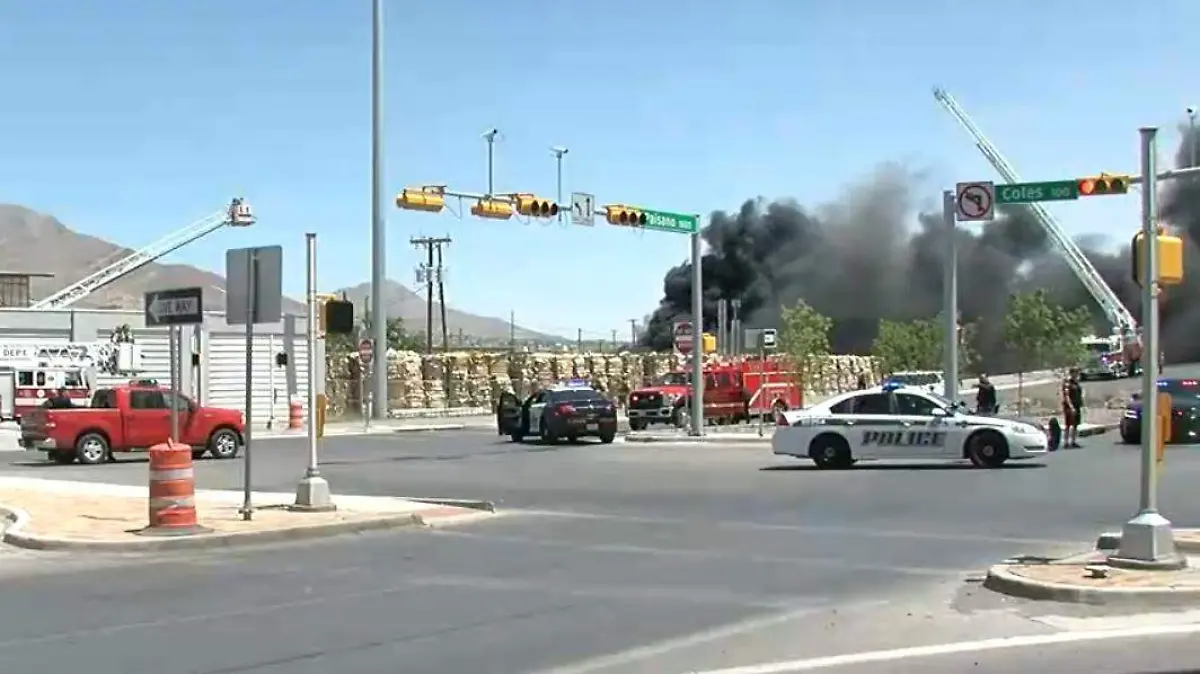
{"x":30,"y":374}
{"x":733,"y":391}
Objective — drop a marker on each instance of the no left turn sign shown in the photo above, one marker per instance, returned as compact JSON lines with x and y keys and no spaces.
{"x":974,"y":202}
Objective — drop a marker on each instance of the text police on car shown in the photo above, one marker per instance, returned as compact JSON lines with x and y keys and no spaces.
{"x":570,"y":410}
{"x":895,"y":421}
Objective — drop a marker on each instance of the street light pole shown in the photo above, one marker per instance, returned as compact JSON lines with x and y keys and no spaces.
{"x":312,"y":493}
{"x":1147,"y":540}
{"x":559,"y":152}
{"x":1191,"y":113}
{"x":950,"y":290}
{"x":379,"y":392}
{"x":490,"y":137}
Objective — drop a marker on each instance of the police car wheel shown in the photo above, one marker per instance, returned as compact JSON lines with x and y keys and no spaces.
{"x":987,"y":449}
{"x":830,"y":452}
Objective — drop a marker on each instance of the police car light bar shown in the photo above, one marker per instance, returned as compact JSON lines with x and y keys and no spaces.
{"x":892,"y":385}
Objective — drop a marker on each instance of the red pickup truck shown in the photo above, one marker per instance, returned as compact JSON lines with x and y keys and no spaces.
{"x":129,"y":419}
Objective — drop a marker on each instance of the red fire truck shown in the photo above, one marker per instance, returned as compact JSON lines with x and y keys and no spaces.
{"x":737,"y":390}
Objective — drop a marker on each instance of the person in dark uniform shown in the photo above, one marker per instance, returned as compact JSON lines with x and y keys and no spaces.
{"x":1072,"y":408}
{"x":60,"y":400}
{"x":862,"y":382}
{"x":985,"y":396}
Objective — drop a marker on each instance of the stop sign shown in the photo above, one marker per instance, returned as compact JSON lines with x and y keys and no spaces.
{"x":366,"y":351}
{"x":684,"y":336}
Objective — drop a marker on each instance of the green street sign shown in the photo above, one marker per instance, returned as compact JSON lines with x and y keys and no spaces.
{"x":1025,"y":193}
{"x":671,"y":222}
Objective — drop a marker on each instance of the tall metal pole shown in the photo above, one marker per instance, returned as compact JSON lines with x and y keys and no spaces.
{"x":1147,"y":540}
{"x":558,"y":156}
{"x":312,"y":494}
{"x":697,"y":340}
{"x":247,"y":509}
{"x":1192,"y":135}
{"x":950,"y":300}
{"x":173,"y":333}
{"x":379,"y":393}
{"x":490,"y":137}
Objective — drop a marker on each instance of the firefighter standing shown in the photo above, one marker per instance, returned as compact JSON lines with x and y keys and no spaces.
{"x":985,"y":396}
{"x":1072,"y":408}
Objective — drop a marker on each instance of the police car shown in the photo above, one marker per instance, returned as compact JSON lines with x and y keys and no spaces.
{"x":895,"y":421}
{"x":568,"y":410}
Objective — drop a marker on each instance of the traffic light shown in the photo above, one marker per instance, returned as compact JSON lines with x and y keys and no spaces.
{"x":535,"y":207}
{"x":337,"y":317}
{"x":1103,"y":184}
{"x":626,"y":216}
{"x":429,"y":199}
{"x":490,"y":208}
{"x":1170,"y":259}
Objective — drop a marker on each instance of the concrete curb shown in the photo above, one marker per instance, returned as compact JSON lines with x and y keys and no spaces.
{"x":381,"y":430}
{"x":1112,"y":541}
{"x":1000,"y":579}
{"x":1098,"y":429}
{"x":469,"y":504}
{"x":18,"y":519}
{"x":747,"y":439}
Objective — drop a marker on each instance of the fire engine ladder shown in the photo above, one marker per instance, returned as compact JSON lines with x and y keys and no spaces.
{"x":1118,"y":315}
{"x":237,"y":214}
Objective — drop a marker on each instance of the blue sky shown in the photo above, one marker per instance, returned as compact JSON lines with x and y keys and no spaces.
{"x":128,"y":120}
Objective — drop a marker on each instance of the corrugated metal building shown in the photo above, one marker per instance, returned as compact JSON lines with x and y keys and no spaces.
{"x":219,"y":377}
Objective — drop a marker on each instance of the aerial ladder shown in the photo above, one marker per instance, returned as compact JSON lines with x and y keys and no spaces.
{"x":237,"y":214}
{"x":1124,"y":325}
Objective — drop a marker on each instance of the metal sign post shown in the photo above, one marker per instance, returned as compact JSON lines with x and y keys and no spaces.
{"x":171,"y":309}
{"x":253,"y":294}
{"x":366,"y":357}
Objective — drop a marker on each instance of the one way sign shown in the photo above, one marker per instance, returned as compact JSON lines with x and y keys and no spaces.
{"x":179,"y":306}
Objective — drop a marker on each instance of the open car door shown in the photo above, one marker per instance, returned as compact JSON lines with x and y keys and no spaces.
{"x":508,"y":414}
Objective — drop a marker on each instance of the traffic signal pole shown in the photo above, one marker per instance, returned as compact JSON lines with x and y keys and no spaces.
{"x":379,"y":387}
{"x":697,"y":408}
{"x":1147,"y":541}
{"x":950,"y":290}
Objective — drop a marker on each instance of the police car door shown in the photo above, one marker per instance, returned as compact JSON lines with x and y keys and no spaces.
{"x":926,"y":435}
{"x":874,"y":427}
{"x":536,"y":408}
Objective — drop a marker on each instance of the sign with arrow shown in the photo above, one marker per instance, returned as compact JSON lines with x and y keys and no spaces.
{"x":177,"y":306}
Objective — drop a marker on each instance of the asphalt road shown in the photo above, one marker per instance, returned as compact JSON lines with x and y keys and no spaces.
{"x":618,"y":558}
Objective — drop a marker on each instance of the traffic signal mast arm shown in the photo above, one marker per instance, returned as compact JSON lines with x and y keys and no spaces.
{"x":237,"y":214}
{"x":1118,"y":315}
{"x":432,"y":198}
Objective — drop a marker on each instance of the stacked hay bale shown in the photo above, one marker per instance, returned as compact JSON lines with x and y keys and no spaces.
{"x":433,"y":387}
{"x":498,"y":377}
{"x":405,"y":390}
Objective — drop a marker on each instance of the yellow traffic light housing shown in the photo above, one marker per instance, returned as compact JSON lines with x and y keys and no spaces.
{"x":625,"y":216}
{"x":535,"y":207}
{"x":492,"y":209}
{"x":431,"y":199}
{"x":1170,"y":259}
{"x":1103,"y":184}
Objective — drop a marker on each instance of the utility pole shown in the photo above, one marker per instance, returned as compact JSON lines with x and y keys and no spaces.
{"x":427,"y":273}
{"x":579,"y":340}
{"x":441,"y":288}
{"x":559,"y":153}
{"x":379,"y":388}
{"x":490,"y":137}
{"x":512,"y":331}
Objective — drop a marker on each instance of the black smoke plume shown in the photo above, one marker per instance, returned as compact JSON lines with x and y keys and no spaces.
{"x":861,"y":259}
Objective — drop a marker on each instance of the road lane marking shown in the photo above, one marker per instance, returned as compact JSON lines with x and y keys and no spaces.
{"x":809,"y":664}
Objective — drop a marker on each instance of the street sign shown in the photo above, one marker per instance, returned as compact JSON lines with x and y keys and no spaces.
{"x":974,"y":202}
{"x":366,"y":351}
{"x":254,"y":285}
{"x":178,"y":306}
{"x":583,"y":209}
{"x":684,"y":336}
{"x":767,"y":338}
{"x":1025,"y":193}
{"x":671,"y":222}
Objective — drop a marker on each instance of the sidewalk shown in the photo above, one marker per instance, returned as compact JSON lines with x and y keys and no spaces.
{"x":384,"y":427}
{"x":1088,"y":579}
{"x":63,"y":515}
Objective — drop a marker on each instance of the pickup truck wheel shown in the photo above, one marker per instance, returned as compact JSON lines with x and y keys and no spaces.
{"x":223,"y":444}
{"x":91,"y":448}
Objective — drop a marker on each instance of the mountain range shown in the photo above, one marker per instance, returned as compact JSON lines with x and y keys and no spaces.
{"x":35,"y":243}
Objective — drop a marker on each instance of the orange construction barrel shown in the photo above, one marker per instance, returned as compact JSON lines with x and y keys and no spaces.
{"x":172,"y":492}
{"x":295,"y":414}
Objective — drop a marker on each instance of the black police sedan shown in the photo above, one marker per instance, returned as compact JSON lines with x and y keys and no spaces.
{"x":564,"y":411}
{"x":1185,"y":412}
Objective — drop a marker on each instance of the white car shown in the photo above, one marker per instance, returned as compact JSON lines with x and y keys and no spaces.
{"x":901,"y":422}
